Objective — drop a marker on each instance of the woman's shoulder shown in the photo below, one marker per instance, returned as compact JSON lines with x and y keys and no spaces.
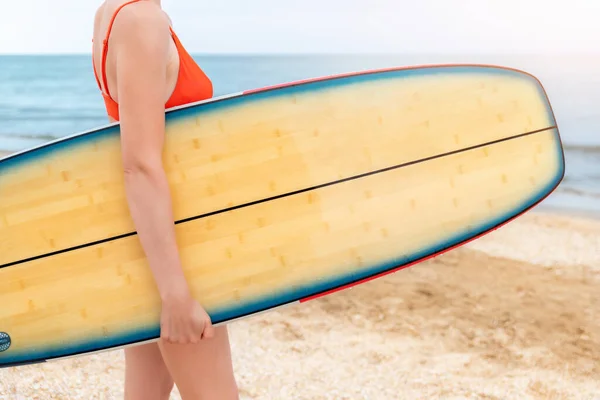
{"x":130,"y":16}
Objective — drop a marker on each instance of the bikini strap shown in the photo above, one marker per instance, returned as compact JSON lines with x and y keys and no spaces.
{"x":105,"y":44}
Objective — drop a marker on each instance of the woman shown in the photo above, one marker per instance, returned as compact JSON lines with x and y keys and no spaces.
{"x":142,"y":69}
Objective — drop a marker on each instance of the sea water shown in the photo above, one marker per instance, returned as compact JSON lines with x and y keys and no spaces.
{"x":50,"y":96}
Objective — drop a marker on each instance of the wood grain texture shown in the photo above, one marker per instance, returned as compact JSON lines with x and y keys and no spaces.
{"x":279,"y":195}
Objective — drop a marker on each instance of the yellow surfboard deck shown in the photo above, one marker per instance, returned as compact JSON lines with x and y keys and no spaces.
{"x":280,"y":195}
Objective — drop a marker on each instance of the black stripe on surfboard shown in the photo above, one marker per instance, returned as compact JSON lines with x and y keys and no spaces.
{"x":293,"y":193}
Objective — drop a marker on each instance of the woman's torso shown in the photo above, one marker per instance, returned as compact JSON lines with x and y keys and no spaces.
{"x":186,"y":81}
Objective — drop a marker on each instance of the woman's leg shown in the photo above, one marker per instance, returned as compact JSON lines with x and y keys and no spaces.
{"x":146,"y":375}
{"x":204,"y":370}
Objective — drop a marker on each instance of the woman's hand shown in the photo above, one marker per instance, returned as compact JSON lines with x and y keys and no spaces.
{"x":183,"y":320}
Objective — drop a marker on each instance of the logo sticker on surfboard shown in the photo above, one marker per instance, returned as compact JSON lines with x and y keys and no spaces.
{"x":4,"y":341}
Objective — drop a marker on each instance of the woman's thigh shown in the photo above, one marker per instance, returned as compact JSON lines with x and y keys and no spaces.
{"x":146,"y":375}
{"x":203,"y":370}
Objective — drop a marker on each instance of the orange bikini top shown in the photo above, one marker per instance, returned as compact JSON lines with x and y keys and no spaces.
{"x":192,"y":83}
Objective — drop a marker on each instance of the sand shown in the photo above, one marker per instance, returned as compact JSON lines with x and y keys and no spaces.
{"x":515,"y":314}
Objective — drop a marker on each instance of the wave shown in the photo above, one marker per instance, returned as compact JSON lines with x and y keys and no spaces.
{"x":32,"y":136}
{"x":50,"y":118}
{"x":594,"y":148}
{"x":578,"y":192}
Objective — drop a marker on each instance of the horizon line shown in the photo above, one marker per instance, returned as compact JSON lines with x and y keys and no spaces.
{"x":330,"y":53}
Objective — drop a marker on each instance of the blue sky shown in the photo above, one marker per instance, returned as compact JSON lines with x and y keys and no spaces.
{"x":276,"y":26}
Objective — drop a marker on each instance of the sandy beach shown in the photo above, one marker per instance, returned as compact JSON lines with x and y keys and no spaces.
{"x":513,"y":315}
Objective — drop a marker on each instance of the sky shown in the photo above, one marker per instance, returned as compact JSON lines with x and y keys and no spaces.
{"x":325,"y":26}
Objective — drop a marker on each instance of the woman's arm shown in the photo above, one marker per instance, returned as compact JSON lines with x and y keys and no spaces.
{"x":141,"y":55}
{"x":141,"y":63}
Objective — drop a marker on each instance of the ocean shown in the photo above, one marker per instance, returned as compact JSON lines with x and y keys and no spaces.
{"x":50,"y":96}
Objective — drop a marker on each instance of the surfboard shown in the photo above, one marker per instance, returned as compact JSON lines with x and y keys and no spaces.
{"x":281,"y":195}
